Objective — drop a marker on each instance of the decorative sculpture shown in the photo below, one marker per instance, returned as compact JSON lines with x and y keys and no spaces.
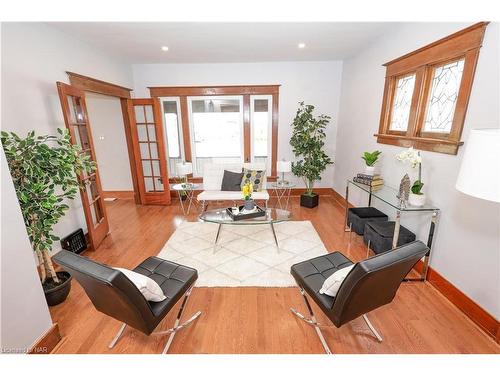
{"x":404,"y":190}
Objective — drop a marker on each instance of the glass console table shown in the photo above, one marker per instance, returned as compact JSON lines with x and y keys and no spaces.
{"x":388,"y":195}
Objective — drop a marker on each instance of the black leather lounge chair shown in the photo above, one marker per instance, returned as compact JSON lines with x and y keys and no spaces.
{"x":371,"y":284}
{"x":113,"y":294}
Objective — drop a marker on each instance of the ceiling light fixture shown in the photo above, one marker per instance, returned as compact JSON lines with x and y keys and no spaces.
{"x":302,"y":45}
{"x":164,"y":48}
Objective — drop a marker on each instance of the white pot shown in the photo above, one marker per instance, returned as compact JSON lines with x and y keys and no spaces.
{"x":417,"y":200}
{"x":370,"y":170}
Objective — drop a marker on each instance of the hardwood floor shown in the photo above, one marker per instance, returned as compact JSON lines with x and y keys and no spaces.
{"x":258,"y":320}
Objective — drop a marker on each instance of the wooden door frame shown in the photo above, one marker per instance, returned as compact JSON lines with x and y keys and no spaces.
{"x":64,"y":91}
{"x":98,"y":86}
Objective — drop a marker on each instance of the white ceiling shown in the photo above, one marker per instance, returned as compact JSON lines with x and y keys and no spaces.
{"x":136,"y":42}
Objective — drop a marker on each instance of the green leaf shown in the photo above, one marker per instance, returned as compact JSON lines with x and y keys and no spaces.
{"x":41,"y":167}
{"x":307,"y":143}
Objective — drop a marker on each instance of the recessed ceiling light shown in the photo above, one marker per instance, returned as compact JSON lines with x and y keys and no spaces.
{"x":164,"y":48}
{"x":302,"y":45}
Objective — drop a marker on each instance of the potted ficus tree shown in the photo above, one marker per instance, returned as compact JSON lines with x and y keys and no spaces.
{"x":44,"y":171}
{"x":370,"y":159}
{"x":308,"y":139}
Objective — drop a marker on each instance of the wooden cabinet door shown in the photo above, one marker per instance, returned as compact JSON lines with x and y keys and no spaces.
{"x":149,"y":150}
{"x":77,"y":122}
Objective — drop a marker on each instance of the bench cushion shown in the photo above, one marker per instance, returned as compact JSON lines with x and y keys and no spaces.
{"x":217,"y":195}
{"x":214,"y":172}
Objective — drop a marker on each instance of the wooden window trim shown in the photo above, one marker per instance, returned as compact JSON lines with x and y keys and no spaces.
{"x":183,"y":92}
{"x":465,"y":44}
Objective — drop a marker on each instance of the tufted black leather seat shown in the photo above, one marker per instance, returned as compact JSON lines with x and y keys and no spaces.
{"x":113,"y":294}
{"x":370,"y":284}
{"x":173,"y":279}
{"x":313,"y":272}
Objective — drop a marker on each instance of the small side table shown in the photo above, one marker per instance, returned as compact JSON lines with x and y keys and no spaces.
{"x":186,"y":189}
{"x":282,"y":192}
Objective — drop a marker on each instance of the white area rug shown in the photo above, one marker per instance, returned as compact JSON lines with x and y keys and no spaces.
{"x":246,"y":255}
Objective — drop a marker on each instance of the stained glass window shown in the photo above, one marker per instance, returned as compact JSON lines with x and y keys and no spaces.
{"x":443,"y":97}
{"x":402,"y":103}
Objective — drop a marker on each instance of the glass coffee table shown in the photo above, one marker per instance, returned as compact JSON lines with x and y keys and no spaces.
{"x":221,"y":217}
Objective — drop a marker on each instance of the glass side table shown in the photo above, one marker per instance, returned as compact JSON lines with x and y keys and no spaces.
{"x":282,"y":192}
{"x":187,"y":190}
{"x":388,"y":195}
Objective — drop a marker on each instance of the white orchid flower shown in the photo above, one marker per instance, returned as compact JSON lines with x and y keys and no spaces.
{"x":411,"y":155}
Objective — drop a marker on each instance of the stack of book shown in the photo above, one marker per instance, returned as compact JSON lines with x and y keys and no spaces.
{"x":374,"y":181}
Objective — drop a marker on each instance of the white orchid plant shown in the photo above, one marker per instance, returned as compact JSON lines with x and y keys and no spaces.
{"x":413,"y":157}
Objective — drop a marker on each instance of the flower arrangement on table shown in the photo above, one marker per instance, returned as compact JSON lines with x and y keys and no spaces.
{"x":247,"y":191}
{"x":411,"y":156}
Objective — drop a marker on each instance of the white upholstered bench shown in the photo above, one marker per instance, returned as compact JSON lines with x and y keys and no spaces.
{"x":212,"y":181}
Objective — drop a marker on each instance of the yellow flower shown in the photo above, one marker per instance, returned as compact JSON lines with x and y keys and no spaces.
{"x":247,"y":189}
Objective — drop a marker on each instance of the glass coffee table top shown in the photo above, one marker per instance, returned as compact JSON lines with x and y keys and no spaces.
{"x":220,"y":216}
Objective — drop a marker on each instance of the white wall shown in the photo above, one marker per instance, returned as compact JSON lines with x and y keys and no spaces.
{"x":24,"y":313}
{"x":106,"y":120}
{"x":34,"y":57}
{"x":466,"y":246}
{"x":316,"y":83}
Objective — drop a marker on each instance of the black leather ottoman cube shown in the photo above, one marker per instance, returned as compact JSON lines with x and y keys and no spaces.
{"x":358,"y":217}
{"x":380,"y":234}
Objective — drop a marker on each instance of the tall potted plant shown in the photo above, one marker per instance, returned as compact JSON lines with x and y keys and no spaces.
{"x":44,"y":170}
{"x":308,"y":139}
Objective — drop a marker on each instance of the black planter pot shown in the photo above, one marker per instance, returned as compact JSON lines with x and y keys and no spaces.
{"x":309,"y":201}
{"x":183,"y":197}
{"x":58,"y":294}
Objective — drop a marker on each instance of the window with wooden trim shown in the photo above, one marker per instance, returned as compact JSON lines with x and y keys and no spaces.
{"x":220,"y":124}
{"x":427,"y":91}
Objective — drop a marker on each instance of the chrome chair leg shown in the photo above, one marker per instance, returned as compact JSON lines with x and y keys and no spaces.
{"x":368,"y":249}
{"x":177,"y":326}
{"x":312,"y":321}
{"x":374,"y":331}
{"x":117,"y":336}
{"x":350,"y":233}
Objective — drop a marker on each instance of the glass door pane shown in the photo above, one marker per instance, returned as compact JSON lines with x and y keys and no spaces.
{"x":148,"y":145}
{"x":401,"y":105}
{"x":77,"y":122}
{"x":173,"y":132}
{"x":149,"y":150}
{"x":216,"y":125}
{"x":443,"y":97}
{"x":261,"y":130}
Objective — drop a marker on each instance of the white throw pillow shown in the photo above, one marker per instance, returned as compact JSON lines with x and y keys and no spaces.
{"x":147,"y":286}
{"x":332,"y":285}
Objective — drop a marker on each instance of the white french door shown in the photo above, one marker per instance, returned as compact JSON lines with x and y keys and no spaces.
{"x":261,"y":117}
{"x":174,"y":138}
{"x":216,"y":129}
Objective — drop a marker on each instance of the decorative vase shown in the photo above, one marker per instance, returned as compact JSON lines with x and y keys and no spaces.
{"x":370,"y":170}
{"x":249,"y":204}
{"x":417,"y":200}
